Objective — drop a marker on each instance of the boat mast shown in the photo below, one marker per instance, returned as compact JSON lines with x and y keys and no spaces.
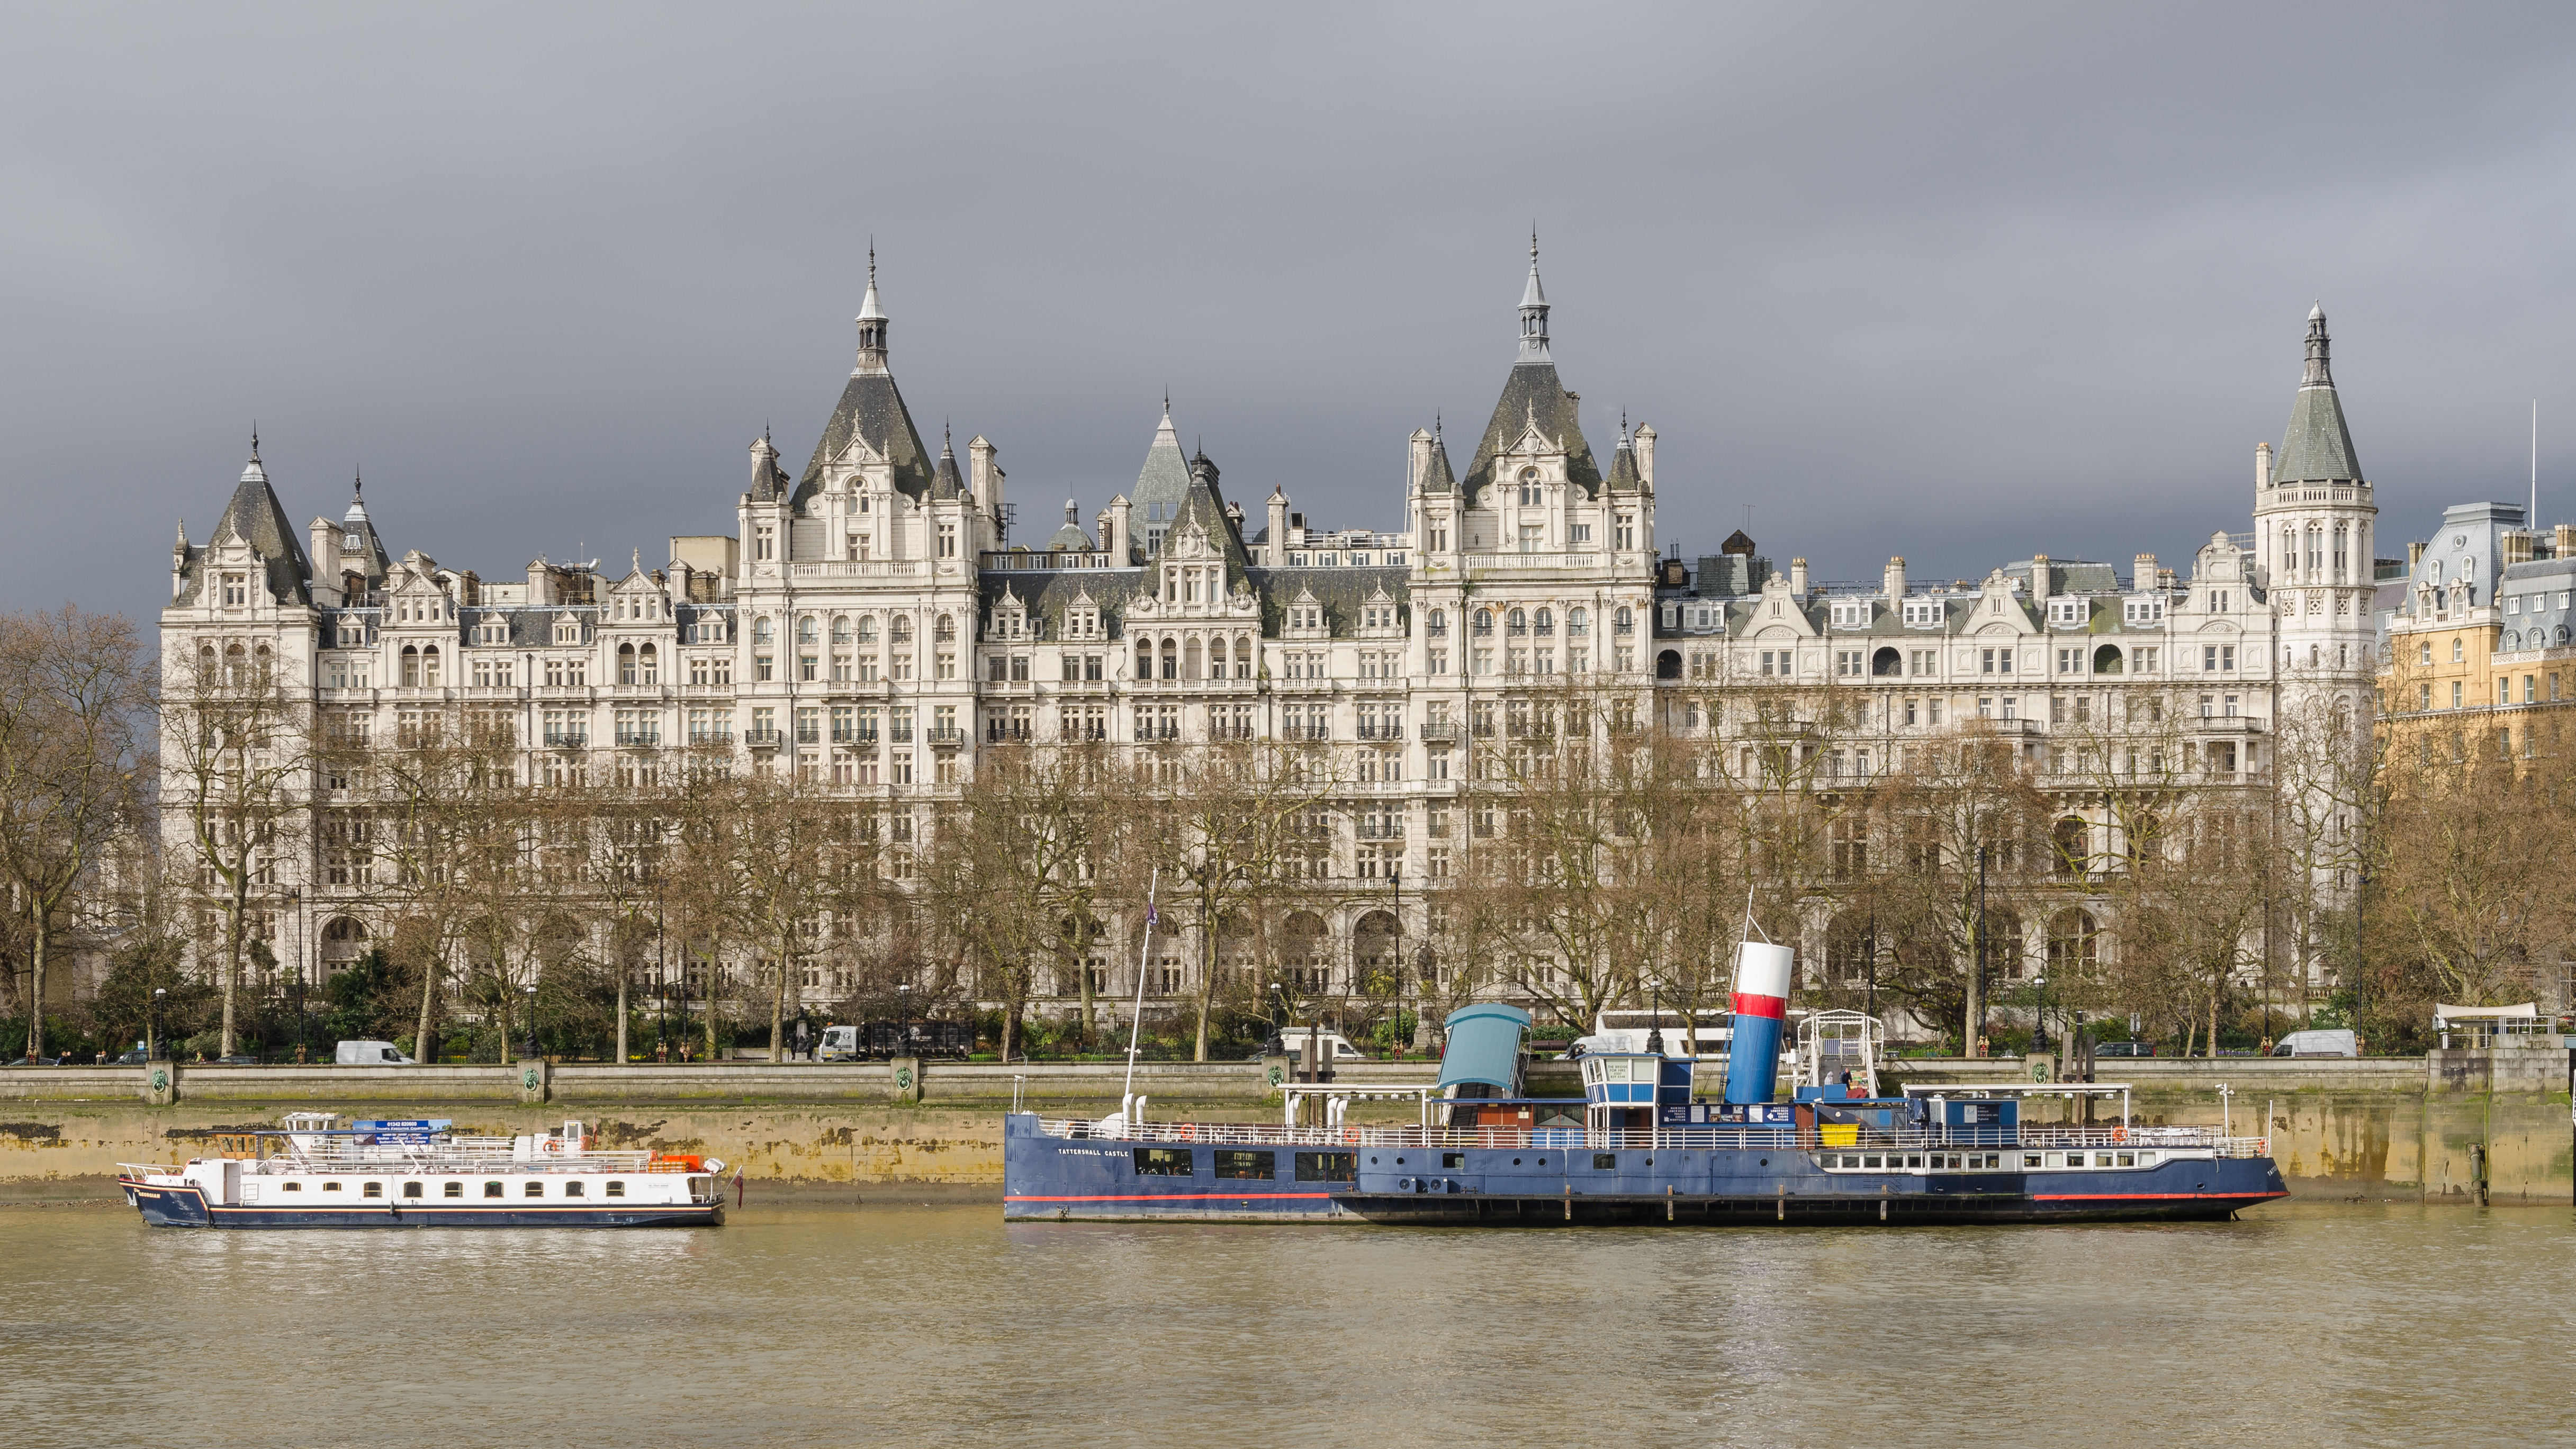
{"x":1136,"y":1022}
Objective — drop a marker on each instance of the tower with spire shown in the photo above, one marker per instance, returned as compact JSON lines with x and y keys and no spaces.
{"x":2314,"y":543}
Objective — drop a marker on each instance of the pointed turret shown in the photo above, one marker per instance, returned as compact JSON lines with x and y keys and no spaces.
{"x":2317,"y":445}
{"x":768,"y":480}
{"x":254,"y":516}
{"x":1161,"y":484}
{"x":873,"y":322}
{"x":1624,"y":477}
{"x":1436,"y":477}
{"x":872,"y":411}
{"x":1534,"y":399}
{"x":1533,"y":310}
{"x":947,"y":482}
{"x":1203,"y":506}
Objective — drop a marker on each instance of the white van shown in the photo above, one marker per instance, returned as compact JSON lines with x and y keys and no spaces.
{"x":2319,"y":1043}
{"x":1291,"y":1041}
{"x":370,"y":1054}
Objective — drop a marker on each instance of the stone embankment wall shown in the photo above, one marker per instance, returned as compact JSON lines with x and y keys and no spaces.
{"x":2396,"y":1127}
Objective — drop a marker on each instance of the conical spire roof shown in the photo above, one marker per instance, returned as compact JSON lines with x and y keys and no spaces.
{"x":1436,"y":477}
{"x":2317,"y":445}
{"x":254,"y":515}
{"x":947,"y":482}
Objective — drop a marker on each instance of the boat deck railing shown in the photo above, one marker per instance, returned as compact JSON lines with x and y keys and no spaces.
{"x":1672,"y":1139}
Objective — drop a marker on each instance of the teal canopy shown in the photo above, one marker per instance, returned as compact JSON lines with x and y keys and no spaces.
{"x":1484,"y":1045}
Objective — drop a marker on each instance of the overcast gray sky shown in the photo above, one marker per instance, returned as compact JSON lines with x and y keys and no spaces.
{"x":1955,"y":282}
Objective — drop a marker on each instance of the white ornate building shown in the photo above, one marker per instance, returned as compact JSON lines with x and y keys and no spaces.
{"x":864,"y":623}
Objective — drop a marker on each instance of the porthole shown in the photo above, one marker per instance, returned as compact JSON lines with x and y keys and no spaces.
{"x":1516,"y":1162}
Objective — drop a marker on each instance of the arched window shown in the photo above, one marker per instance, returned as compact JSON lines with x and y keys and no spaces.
{"x":429,"y":667}
{"x":806,"y":631}
{"x":1578,"y":622}
{"x":1668,"y":664}
{"x":1543,"y":623}
{"x":1436,"y":624}
{"x":626,"y":664}
{"x":648,"y":665}
{"x":2073,"y":943}
{"x":1144,"y":659}
{"x":867,"y":628}
{"x":2109,"y":660}
{"x":1190,"y":659}
{"x":764,"y":630}
{"x":1171,"y":660}
{"x":1624,"y":621}
{"x":343,"y":939}
{"x":840,"y":628}
{"x":1484,"y":623}
{"x":1886,"y":662}
{"x":236,"y":665}
{"x":410,"y":667}
{"x":899,"y":629}
{"x":1516,"y":623}
{"x":2073,"y":839}
{"x":945,"y":631}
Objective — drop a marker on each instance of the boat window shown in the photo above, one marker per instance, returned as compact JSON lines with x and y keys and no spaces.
{"x":1328,"y":1167}
{"x":2146,"y":1159}
{"x":534,"y":1189}
{"x":412,"y":1189}
{"x":375,"y":1189}
{"x":2128,"y":1159}
{"x":1231,"y":1163}
{"x":1914,"y":1159}
{"x":294,"y":1187}
{"x":616,"y":1189}
{"x":491,"y":1189}
{"x":2030,"y":1159}
{"x":1605,"y":1162}
{"x":330,"y":1187}
{"x":573,"y":1188}
{"x":1163,"y":1161}
{"x":1453,"y":1159}
{"x":455,"y":1189}
{"x":1872,"y":1161}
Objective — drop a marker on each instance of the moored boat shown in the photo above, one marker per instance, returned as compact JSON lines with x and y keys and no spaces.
{"x":1640,"y":1146}
{"x":316,"y":1173}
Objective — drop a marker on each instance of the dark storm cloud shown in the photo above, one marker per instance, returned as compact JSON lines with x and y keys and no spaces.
{"x":1957,"y":283}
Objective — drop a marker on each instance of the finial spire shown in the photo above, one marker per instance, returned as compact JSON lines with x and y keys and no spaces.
{"x":872,"y":321}
{"x":1534,"y":309}
{"x":2320,"y":373}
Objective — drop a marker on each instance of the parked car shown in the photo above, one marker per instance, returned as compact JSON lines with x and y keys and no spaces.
{"x":134,"y":1058}
{"x":1291,"y":1042}
{"x":33,"y":1062}
{"x":2319,"y":1042}
{"x":77,"y":1059}
{"x":237,"y":1059}
{"x":2124,"y":1049}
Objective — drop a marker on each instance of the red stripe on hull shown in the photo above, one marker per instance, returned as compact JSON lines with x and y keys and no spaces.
{"x":1173,"y":1197}
{"x":1767,"y":1006}
{"x":2145,"y":1196}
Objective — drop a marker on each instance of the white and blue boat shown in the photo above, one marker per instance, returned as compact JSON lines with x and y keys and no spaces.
{"x":315,"y":1172}
{"x":1641,"y":1146}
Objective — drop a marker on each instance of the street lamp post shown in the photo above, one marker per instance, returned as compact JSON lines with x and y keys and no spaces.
{"x":903,"y":1032}
{"x":532,"y":1023}
{"x":152,"y":1045}
{"x":1977,"y":1045}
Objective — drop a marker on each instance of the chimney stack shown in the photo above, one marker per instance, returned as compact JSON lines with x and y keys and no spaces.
{"x":2039,"y":580}
{"x":2262,"y":465}
{"x":1894,"y":582}
{"x":1278,"y":527}
{"x":1116,"y":541}
{"x":1645,"y":447}
{"x":2142,"y":572}
{"x":1798,"y":577}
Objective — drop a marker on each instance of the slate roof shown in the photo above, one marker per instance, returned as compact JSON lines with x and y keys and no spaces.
{"x":871,"y":407}
{"x":1165,"y":478}
{"x":254,"y":515}
{"x":946,"y":483}
{"x":1532,"y":391}
{"x":1438,"y":478}
{"x":1623,"y":469}
{"x":1203,"y":505}
{"x":2317,"y":446}
{"x":768,"y":480}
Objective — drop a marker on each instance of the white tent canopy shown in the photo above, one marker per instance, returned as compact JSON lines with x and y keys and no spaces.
{"x":2446,"y":1015}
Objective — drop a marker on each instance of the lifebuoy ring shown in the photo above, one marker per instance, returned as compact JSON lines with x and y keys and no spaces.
{"x":1350,"y":1137}
{"x":2119,"y":1134}
{"x":1189,"y":1132}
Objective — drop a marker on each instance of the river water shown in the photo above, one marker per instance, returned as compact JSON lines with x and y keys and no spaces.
{"x":806,"y":1323}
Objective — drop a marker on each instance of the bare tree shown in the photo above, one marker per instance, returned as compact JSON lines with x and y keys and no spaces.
{"x":72,"y":760}
{"x":237,"y":772}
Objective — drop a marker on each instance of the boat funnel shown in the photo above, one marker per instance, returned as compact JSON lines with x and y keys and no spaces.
{"x":1761,"y":1005}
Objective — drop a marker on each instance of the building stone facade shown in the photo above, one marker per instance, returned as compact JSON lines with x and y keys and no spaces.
{"x":866,"y":626}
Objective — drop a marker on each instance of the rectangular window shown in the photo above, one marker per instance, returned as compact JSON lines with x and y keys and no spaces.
{"x":492,"y":1189}
{"x":534,"y":1189}
{"x":1328,"y":1167}
{"x":454,"y":1189}
{"x":1163,"y":1162}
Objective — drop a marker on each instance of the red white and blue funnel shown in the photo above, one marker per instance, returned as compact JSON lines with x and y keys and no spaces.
{"x":1761,"y":1006}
